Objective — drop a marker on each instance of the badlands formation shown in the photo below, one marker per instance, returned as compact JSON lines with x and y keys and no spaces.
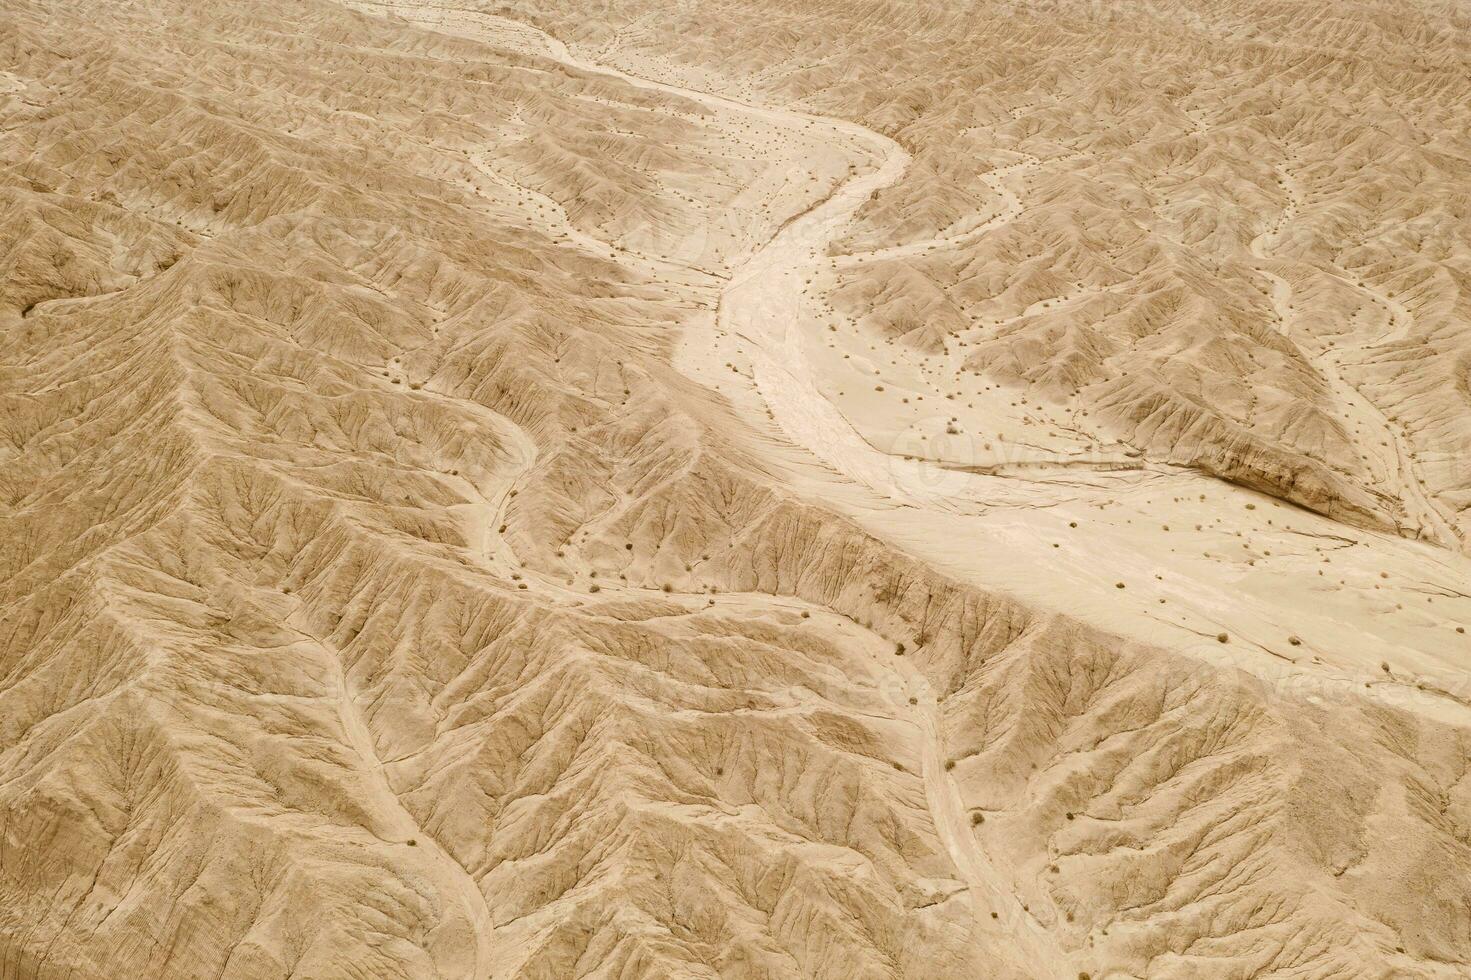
{"x":735,"y":489}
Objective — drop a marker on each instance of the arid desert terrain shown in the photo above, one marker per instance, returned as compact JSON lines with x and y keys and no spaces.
{"x":732,"y":489}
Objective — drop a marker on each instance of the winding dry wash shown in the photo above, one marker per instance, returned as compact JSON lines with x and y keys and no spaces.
{"x":720,"y":488}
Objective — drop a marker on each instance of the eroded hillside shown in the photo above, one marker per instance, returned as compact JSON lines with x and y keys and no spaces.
{"x":1235,"y":232}
{"x":865,"y":491}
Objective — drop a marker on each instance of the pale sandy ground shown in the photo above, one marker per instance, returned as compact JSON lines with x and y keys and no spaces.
{"x":1197,"y":557}
{"x":1053,"y":683}
{"x":1019,"y":502}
